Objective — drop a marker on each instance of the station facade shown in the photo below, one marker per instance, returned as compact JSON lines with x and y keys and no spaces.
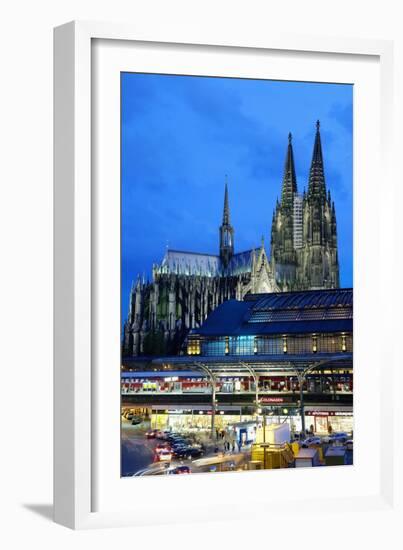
{"x":272,"y":357}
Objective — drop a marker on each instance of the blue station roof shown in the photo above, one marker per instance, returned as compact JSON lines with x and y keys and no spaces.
{"x":282,"y":313}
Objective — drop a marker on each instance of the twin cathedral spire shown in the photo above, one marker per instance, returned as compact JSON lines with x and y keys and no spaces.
{"x":304,"y":234}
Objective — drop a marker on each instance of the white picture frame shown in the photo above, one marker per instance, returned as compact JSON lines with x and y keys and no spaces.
{"x":84,"y":496}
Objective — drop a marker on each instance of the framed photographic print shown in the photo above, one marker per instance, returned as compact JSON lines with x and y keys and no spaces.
{"x":235,"y":359}
{"x":217,"y":208}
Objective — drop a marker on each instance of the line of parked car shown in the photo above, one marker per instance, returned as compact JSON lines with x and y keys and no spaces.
{"x":337,"y":438}
{"x":174,"y":445}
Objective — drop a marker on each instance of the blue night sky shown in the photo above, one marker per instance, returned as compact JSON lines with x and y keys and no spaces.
{"x":181,"y":135}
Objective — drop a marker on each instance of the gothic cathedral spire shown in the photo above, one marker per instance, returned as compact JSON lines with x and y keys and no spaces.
{"x":289,"y":186}
{"x":282,"y":233}
{"x":317,"y":185}
{"x":320,"y":231}
{"x":226,"y":232}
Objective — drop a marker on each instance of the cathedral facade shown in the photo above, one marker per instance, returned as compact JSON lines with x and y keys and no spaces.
{"x":187,"y":286}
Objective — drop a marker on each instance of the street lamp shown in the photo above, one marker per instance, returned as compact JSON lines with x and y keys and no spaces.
{"x":301,"y":380}
{"x":213,"y":381}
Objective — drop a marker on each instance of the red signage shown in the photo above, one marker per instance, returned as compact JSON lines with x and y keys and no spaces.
{"x":272,"y":400}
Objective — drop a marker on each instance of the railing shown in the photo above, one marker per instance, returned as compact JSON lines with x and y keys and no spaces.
{"x":207,"y":391}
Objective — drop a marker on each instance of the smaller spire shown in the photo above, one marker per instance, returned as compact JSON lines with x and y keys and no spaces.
{"x":289,"y":185}
{"x":318,"y":125}
{"x":262,"y":246}
{"x":226,"y":215}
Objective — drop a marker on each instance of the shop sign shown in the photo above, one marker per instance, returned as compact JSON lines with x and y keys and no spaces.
{"x":328,"y":413}
{"x":272,"y":400}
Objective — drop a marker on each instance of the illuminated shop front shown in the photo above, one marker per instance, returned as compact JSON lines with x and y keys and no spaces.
{"x":321,"y":421}
{"x":326,"y":421}
{"x":196,"y":419}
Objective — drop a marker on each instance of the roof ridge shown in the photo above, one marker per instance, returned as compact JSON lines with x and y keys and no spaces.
{"x":311,"y":291}
{"x":190,"y":252}
{"x":244,"y":251}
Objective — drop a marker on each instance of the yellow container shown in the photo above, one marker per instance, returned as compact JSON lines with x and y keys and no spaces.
{"x":295,"y":447}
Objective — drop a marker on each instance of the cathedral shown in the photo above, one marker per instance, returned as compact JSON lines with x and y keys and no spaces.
{"x":187,"y":286}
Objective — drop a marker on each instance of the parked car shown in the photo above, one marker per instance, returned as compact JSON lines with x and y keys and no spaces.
{"x":313,"y":440}
{"x":151,"y":434}
{"x":173,"y":435}
{"x":163,"y":434}
{"x":164,"y":455}
{"x":179,"y":452}
{"x":183,"y":441}
{"x":137,"y":420}
{"x":180,"y":470}
{"x":163,"y":446}
{"x":188,"y":452}
{"x":178,"y":441}
{"x":338,"y":437}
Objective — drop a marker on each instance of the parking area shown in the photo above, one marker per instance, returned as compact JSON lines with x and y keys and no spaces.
{"x":151,"y":451}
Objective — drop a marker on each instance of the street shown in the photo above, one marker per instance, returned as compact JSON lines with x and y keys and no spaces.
{"x":138,"y":454}
{"x":137,"y":450}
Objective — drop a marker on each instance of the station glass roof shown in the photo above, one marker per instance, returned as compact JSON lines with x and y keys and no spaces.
{"x":282,"y":313}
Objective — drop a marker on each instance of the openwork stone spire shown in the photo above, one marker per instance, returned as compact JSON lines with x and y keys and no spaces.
{"x":317,"y":185}
{"x":289,"y":186}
